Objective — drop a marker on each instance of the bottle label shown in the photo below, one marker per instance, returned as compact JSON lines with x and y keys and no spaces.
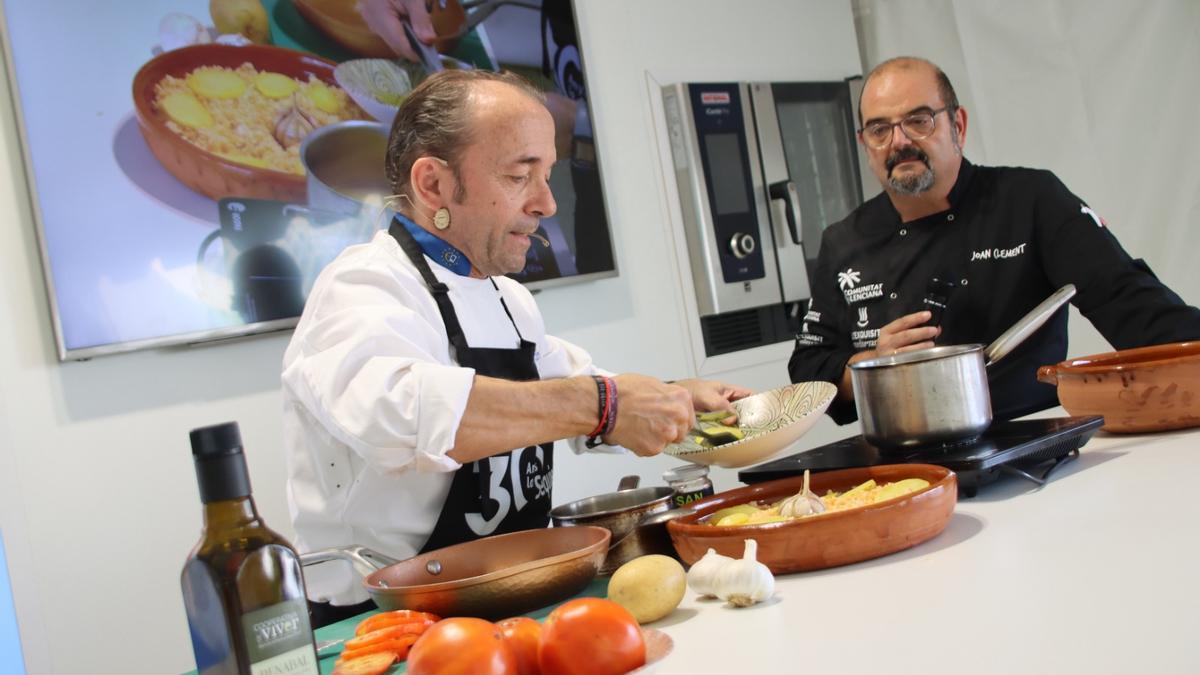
{"x":685,"y":498}
{"x":279,"y":639}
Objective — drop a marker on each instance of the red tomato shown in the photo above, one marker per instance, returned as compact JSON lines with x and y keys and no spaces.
{"x":462,"y":646}
{"x":523,"y":636}
{"x":591,"y":636}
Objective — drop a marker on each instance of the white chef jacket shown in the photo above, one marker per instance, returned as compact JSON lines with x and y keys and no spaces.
{"x":373,"y":399}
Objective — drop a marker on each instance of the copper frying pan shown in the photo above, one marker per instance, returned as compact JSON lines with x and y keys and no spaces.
{"x":492,"y":578}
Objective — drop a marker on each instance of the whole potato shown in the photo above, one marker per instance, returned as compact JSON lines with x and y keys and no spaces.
{"x":245,"y":17}
{"x":650,"y":587}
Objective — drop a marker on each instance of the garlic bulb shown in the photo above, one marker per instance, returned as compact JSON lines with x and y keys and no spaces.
{"x":702,"y":577}
{"x":746,"y":581}
{"x":803,"y":503}
{"x":293,"y":124}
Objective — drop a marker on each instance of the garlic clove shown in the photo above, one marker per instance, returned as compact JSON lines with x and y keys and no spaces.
{"x":177,"y":30}
{"x":702,"y":577}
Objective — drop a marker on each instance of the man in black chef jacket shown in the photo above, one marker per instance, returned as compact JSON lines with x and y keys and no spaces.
{"x":993,"y":241}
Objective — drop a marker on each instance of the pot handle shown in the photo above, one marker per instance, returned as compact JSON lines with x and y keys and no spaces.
{"x":1048,"y":375}
{"x":1027,"y":325}
{"x":629,"y":482}
{"x":662,"y":517}
{"x":653,"y":520}
{"x":365,"y":561}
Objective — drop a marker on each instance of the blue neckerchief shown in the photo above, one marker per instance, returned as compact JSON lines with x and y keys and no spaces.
{"x":437,"y":248}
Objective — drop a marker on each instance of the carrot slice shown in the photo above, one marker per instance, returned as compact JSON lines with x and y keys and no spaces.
{"x":377,"y":621}
{"x":371,"y":664}
{"x":386,"y":633}
{"x":398,"y":647}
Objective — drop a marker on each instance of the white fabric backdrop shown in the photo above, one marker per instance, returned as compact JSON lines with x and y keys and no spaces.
{"x":1105,"y":93}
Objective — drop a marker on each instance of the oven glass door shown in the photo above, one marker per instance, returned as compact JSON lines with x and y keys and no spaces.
{"x":816,"y":123}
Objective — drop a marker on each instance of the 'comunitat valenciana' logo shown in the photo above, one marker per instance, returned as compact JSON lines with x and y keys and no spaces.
{"x":850,"y":280}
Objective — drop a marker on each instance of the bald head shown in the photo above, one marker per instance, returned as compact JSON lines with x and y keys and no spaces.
{"x":914,"y":65}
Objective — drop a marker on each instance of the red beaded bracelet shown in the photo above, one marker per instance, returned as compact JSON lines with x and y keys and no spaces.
{"x":606,"y":390}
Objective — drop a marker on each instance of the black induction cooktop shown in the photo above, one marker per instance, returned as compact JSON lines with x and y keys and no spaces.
{"x":1031,"y":449}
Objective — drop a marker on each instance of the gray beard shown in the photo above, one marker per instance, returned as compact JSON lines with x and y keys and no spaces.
{"x":913,"y":185}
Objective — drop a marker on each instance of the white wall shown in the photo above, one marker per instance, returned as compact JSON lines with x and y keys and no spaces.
{"x":98,"y":505}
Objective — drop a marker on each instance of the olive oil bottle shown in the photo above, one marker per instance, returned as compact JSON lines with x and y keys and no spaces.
{"x":242,"y":585}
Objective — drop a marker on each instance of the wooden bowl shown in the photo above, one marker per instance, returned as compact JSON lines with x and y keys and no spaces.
{"x":1136,"y":390}
{"x":494,"y":577}
{"x":831,"y":539}
{"x":207,"y":173}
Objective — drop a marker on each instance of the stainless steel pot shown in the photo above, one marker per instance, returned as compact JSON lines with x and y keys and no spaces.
{"x":344,"y":167}
{"x":637,"y":518}
{"x":941,"y":393}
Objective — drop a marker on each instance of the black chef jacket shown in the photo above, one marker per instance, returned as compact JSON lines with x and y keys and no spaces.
{"x":1010,"y":238}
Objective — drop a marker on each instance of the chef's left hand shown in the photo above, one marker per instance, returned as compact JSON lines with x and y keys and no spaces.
{"x":709,"y":395}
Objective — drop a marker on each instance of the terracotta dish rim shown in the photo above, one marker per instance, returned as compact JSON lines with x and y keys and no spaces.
{"x":1110,"y":361}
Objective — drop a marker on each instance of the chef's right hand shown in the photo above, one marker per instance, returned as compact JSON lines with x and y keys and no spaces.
{"x":650,"y":414}
{"x":386,"y":19}
{"x":906,"y":334}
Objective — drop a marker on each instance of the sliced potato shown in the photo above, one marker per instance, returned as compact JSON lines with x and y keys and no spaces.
{"x":862,"y":487}
{"x":733,"y":519}
{"x":216,"y":83}
{"x":730,"y":510}
{"x":323,"y":97}
{"x":275,"y":85}
{"x":185,"y":109}
{"x":900,"y":487}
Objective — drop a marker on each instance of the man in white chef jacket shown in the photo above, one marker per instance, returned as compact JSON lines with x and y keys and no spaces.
{"x":422,"y":395}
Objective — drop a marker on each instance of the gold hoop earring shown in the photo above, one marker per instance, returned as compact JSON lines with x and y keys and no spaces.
{"x":441,"y":218}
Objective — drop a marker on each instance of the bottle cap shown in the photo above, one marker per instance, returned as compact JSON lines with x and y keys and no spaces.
{"x":216,"y":441}
{"x":220,"y":465}
{"x":685,"y":472}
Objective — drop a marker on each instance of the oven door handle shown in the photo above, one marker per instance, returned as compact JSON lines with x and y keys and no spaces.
{"x":786,"y":190}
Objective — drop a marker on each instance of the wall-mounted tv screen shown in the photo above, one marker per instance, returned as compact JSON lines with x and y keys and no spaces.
{"x":195,"y":163}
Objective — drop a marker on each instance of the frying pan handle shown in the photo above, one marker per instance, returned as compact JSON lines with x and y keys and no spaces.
{"x":1047,"y":375}
{"x":365,"y":561}
{"x":1038,"y":316}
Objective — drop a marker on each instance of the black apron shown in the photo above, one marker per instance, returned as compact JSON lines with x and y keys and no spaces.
{"x":503,"y":493}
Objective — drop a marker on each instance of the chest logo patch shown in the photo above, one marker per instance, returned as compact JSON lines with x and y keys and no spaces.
{"x":852,"y":287}
{"x":862,"y":317}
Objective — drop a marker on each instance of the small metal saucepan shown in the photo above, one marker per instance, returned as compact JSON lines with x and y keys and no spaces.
{"x":637,"y":518}
{"x":937,"y":394}
{"x":493,"y":577}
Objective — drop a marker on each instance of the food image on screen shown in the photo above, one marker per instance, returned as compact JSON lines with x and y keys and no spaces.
{"x":252,"y":117}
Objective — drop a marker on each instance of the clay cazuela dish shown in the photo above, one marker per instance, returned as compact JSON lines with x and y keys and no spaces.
{"x":829,"y":539}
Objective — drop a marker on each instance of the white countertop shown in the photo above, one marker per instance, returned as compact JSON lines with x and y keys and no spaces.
{"x":1096,"y":572}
